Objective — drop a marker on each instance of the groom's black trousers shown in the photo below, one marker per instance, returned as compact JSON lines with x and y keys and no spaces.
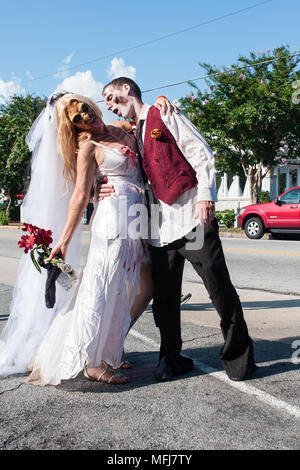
{"x":209,"y":262}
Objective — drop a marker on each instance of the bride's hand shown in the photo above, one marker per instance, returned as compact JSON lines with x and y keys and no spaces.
{"x":164,"y":105}
{"x":59,"y":250}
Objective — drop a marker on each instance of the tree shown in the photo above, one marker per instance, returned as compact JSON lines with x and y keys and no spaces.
{"x":248,"y":116}
{"x":16,"y":118}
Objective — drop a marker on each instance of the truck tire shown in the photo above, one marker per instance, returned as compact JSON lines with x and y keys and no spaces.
{"x":254,"y":228}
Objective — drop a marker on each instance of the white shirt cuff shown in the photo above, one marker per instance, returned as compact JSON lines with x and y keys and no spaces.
{"x":204,"y":194}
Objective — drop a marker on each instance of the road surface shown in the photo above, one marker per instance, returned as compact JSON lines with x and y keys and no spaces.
{"x":203,"y":410}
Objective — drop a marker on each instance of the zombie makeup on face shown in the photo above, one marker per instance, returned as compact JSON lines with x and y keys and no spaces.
{"x":84,"y":110}
{"x":82,"y":115}
{"x":118,"y":101}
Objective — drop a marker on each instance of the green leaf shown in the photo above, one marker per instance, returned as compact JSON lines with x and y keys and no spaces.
{"x":35,"y":262}
{"x":45,"y":248}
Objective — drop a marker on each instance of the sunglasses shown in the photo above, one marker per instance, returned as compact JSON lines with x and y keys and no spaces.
{"x":77,"y":117}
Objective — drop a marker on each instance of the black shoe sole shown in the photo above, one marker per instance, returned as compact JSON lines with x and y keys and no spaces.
{"x":246,"y":377}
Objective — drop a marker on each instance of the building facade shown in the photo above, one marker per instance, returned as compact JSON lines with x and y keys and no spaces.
{"x":233,"y":191}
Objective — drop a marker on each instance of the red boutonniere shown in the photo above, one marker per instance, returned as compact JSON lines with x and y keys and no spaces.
{"x":156,"y":134}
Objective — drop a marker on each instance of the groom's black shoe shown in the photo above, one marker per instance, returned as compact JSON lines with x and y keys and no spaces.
{"x":248,"y":374}
{"x":166,"y":370}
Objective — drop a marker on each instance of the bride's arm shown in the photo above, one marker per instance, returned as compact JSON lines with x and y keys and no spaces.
{"x":85,"y":171}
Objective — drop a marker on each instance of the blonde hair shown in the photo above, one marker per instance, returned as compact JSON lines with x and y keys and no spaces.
{"x":68,"y":136}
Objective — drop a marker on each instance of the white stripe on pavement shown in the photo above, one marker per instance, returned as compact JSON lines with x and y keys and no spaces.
{"x":241,"y":386}
{"x":143,"y":338}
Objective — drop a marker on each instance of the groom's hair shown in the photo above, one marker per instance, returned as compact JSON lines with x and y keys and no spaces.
{"x":119,"y":82}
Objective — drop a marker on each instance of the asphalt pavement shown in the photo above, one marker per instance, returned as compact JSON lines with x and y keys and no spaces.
{"x":203,"y":410}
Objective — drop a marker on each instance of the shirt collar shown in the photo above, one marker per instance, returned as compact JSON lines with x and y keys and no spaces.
{"x":144,"y":111}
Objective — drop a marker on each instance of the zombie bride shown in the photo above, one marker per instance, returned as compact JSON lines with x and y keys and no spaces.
{"x":86,"y":328}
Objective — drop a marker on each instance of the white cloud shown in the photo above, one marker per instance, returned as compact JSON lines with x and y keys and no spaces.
{"x":68,"y":59}
{"x":10,"y":88}
{"x":83,"y":83}
{"x":62,"y":68}
{"x":119,"y":69}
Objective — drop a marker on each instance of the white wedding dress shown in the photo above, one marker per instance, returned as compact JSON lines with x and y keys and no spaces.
{"x":93,"y":323}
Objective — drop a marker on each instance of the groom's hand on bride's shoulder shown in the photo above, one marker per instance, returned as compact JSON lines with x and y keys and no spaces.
{"x":165,"y":106}
{"x":103,"y":189}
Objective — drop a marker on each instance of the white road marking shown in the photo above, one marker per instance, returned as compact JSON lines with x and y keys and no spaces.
{"x":241,"y":386}
{"x":143,"y":338}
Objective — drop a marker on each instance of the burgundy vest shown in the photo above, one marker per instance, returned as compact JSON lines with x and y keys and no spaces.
{"x":168,"y":172}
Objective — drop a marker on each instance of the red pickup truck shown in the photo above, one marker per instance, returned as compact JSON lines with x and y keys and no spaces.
{"x":278,"y":216}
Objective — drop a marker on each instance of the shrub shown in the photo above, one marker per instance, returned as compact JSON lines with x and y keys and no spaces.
{"x":264,"y":196}
{"x":226,"y":217}
{"x":219,"y":217}
{"x":3,"y":218}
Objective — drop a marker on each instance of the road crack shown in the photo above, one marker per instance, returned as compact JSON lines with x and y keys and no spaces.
{"x":200,"y":337}
{"x":11,"y":389}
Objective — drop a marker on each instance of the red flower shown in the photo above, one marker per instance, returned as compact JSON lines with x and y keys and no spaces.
{"x":38,"y":240}
{"x":28,"y":228}
{"x":43,"y":237}
{"x":27,"y":242}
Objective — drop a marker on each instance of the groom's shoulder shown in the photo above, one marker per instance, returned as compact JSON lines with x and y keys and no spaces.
{"x":154,"y":113}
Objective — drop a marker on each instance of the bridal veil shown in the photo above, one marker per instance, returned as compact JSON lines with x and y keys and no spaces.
{"x":45,"y":205}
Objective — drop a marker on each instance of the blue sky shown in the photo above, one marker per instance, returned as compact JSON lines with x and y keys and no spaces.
{"x":43,"y":37}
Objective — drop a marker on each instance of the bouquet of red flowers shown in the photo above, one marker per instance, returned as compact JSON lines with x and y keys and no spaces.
{"x":39,"y":241}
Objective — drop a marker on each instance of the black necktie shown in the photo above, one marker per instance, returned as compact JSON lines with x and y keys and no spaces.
{"x":140,"y":148}
{"x":150,"y":198}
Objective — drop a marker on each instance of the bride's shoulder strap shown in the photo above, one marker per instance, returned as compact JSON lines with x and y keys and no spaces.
{"x":87,"y":146}
{"x":96,"y":143}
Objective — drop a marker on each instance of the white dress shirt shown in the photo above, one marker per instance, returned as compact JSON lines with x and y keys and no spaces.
{"x":178,"y":219}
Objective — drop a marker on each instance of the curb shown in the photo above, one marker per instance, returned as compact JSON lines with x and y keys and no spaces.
{"x":222,"y":234}
{"x":225,"y":234}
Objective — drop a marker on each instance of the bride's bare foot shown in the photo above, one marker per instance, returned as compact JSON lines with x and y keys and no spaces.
{"x":105,"y":374}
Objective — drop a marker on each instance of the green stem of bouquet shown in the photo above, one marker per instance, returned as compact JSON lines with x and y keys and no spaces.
{"x":45,"y":253}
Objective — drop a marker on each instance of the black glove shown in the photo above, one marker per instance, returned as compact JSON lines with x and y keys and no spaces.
{"x":52,"y":274}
